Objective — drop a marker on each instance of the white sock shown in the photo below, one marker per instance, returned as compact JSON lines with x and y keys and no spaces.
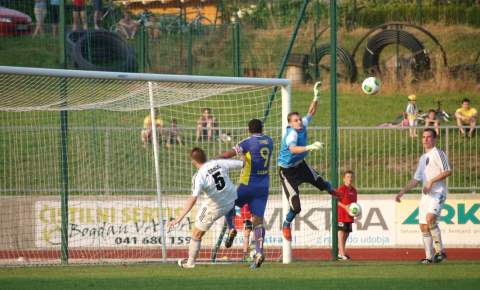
{"x":193,"y":251}
{"x":428,"y":244}
{"x":437,"y":238}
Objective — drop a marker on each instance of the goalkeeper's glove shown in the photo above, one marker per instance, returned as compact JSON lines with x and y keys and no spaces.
{"x":315,"y":146}
{"x":316,"y":91}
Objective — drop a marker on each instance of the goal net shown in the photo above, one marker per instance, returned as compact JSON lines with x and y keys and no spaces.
{"x":85,"y":177}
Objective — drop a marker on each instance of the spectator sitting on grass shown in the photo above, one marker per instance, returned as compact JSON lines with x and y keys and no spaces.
{"x":147,"y":128}
{"x":466,"y":116}
{"x":207,"y":125}
{"x":127,"y":27}
{"x":432,"y":121}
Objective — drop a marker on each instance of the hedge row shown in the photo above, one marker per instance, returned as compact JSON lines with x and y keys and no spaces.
{"x":446,"y":14}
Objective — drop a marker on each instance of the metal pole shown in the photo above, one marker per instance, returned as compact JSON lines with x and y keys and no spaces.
{"x":157,"y":172}
{"x":315,"y":55}
{"x":333,"y":121}
{"x":61,"y":34}
{"x":190,"y":50}
{"x":300,"y":16}
{"x":63,"y":142}
{"x":238,"y":69}
{"x":141,"y":39}
{"x":286,"y":107}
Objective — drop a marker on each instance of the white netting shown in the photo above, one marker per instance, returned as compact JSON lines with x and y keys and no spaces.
{"x":113,"y":209}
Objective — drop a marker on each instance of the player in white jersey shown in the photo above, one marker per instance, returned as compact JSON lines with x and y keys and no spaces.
{"x":211,"y":179}
{"x":432,"y":171}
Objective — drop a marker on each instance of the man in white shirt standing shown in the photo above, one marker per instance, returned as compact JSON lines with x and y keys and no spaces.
{"x":212,"y":179}
{"x":432,"y":171}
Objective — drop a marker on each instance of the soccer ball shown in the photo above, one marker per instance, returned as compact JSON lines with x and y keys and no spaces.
{"x":225,"y":137}
{"x":354,"y":209}
{"x":371,"y":86}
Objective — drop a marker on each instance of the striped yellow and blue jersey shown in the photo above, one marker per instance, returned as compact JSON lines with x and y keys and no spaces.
{"x":257,"y":150}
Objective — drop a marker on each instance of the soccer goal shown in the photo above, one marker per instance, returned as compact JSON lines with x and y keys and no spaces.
{"x":95,"y":163}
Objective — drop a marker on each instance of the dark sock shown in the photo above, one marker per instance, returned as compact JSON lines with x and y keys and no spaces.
{"x":229,"y":219}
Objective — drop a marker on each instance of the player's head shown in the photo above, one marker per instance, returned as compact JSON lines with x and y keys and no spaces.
{"x":198,"y":156}
{"x":157,"y":112}
{"x":431,"y":113}
{"x":429,"y":138}
{"x":255,"y":126}
{"x":466,"y":103}
{"x":174,"y":120}
{"x":348,"y":177}
{"x":294,"y":120}
{"x":206,"y":112}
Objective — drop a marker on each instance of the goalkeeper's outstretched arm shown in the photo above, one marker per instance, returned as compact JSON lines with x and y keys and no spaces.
{"x":316,"y":95}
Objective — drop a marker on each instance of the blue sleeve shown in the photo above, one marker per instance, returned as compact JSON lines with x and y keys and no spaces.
{"x":306,"y":120}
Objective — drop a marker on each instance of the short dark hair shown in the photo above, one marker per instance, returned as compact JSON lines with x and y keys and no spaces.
{"x":432,"y":111}
{"x":255,"y":126}
{"x":198,"y":155}
{"x":206,"y":109}
{"x":289,"y":116}
{"x":348,"y":172}
{"x":434,"y":134}
{"x":466,"y":100}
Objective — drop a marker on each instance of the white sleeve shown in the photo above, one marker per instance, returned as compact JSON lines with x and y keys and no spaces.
{"x":291,"y":138}
{"x":196,"y":185}
{"x":230,"y":164}
{"x":419,"y":172}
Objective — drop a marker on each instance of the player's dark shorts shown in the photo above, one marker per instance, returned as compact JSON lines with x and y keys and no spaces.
{"x":292,"y":177}
{"x":78,"y":8}
{"x":98,"y":5}
{"x":344,"y":227}
{"x":54,"y":13}
{"x":255,"y":196}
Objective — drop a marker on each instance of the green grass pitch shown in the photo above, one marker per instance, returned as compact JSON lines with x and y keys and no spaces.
{"x":300,"y":275}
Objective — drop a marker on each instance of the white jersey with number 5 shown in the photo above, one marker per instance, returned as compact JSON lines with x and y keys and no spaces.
{"x":212,"y":179}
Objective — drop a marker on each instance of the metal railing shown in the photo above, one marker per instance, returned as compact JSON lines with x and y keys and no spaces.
{"x":112,"y":160}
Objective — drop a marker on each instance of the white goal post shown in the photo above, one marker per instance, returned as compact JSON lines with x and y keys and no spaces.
{"x":96,"y":100}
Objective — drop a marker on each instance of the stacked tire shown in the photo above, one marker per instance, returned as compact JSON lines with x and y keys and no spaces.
{"x":100,"y":51}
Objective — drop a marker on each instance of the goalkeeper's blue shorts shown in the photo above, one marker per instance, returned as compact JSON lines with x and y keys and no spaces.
{"x":255,"y":196}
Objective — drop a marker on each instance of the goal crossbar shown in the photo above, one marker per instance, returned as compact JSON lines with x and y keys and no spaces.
{"x":144,"y":76}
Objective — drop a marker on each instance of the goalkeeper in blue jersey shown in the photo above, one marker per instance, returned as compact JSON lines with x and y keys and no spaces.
{"x":256,"y":151}
{"x":293,"y":168}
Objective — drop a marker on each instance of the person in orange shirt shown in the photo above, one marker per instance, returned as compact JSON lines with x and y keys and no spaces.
{"x":346,"y":194}
{"x":466,"y":116}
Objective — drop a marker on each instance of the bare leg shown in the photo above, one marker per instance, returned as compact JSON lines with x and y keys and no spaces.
{"x":460,"y":126}
{"x":96,"y":18}
{"x":75,"y":21}
{"x":83,"y":15}
{"x":342,"y":240}
{"x":473,"y":122}
{"x":199,"y":129}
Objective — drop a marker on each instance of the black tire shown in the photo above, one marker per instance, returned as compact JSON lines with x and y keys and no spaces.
{"x":343,"y":56}
{"x":104,"y":51}
{"x":386,"y":37}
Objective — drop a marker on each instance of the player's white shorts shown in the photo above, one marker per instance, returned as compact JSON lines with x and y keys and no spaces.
{"x":430,"y":203}
{"x":208,"y":214}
